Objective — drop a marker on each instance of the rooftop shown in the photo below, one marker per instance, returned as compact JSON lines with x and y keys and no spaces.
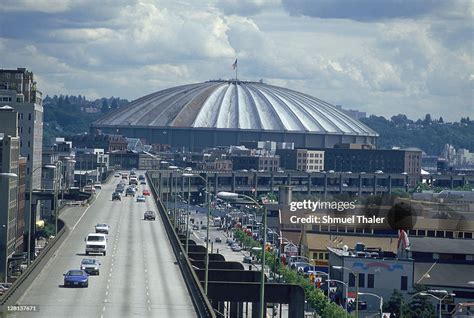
{"x":235,"y":105}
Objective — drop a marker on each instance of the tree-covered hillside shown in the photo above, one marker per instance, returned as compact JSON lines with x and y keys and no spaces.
{"x":68,"y":115}
{"x":427,"y":134}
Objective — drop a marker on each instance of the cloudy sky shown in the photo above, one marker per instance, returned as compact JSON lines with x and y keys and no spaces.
{"x":382,"y":57}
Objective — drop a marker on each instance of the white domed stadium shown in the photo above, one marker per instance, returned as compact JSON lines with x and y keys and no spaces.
{"x":219,"y":113}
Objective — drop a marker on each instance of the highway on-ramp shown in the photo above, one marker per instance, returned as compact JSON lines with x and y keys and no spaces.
{"x":138,"y":276}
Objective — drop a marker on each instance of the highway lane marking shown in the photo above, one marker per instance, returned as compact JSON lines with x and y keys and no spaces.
{"x":87,"y":209}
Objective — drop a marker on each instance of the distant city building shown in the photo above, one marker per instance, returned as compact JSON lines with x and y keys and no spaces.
{"x":19,"y":90}
{"x":374,"y":160}
{"x":98,"y":140}
{"x":301,"y":159}
{"x":379,"y":272}
{"x":218,"y":165}
{"x":9,"y":163}
{"x":91,"y":165}
{"x":131,"y":159}
{"x":429,"y":163}
{"x":255,"y":162}
{"x":458,"y":159}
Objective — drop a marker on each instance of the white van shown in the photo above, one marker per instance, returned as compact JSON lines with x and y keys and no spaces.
{"x":96,"y":243}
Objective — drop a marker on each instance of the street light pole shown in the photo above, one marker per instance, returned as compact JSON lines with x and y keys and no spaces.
{"x":187,"y":216}
{"x":347,"y":292}
{"x":440,"y":299}
{"x":377,"y":296}
{"x":356,"y":283}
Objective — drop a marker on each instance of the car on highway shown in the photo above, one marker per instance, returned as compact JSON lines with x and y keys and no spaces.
{"x":195,"y":227}
{"x":97,"y":185}
{"x":91,"y":266}
{"x":218,"y":240}
{"x":117,"y":174}
{"x":116,"y":196}
{"x":102,"y":228}
{"x":140,"y":198}
{"x":130,"y":191}
{"x":149,"y":215}
{"x":229,"y":241}
{"x":141,"y":177}
{"x":76,"y":277}
{"x":143,"y":182}
{"x":133,"y":181}
{"x":146,"y":192}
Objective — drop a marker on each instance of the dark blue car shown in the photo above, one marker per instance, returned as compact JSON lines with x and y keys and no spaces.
{"x":76,"y":277}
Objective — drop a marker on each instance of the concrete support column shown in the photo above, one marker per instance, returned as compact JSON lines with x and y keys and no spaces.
{"x":308,"y":190}
{"x":216,"y":183}
{"x":288,"y":179}
{"x":375,"y":184}
{"x":255,"y":183}
{"x":325,"y":191}
{"x":340,"y":183}
{"x":232,"y":183}
{"x":360,"y":185}
{"x":160,"y":184}
{"x":272,"y":181}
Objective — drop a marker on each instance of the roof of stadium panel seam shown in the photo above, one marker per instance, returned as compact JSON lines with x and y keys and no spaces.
{"x":235,"y":105}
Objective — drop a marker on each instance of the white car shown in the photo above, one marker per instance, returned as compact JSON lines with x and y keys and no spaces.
{"x":236,"y":248}
{"x":102,"y":228}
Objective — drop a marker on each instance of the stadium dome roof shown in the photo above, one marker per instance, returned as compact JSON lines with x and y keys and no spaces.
{"x":235,"y":105}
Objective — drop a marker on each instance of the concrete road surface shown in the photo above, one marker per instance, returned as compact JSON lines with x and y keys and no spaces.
{"x":138,"y":277}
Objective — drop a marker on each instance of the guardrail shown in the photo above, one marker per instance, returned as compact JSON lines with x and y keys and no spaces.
{"x":26,"y":278}
{"x":201,"y":303}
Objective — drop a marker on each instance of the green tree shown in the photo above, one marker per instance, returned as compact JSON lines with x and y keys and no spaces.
{"x":105,"y":106}
{"x":115,"y":104}
{"x":427,"y":120}
{"x":394,"y":304}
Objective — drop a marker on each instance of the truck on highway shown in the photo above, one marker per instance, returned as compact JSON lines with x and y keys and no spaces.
{"x":96,"y":243}
{"x":217,"y":222}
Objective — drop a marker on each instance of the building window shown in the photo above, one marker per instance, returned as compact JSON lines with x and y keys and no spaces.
{"x":468,"y":235}
{"x":29,"y":116}
{"x":351,"y":280}
{"x":361,"y":280}
{"x":370,"y":280}
{"x":404,"y":283}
